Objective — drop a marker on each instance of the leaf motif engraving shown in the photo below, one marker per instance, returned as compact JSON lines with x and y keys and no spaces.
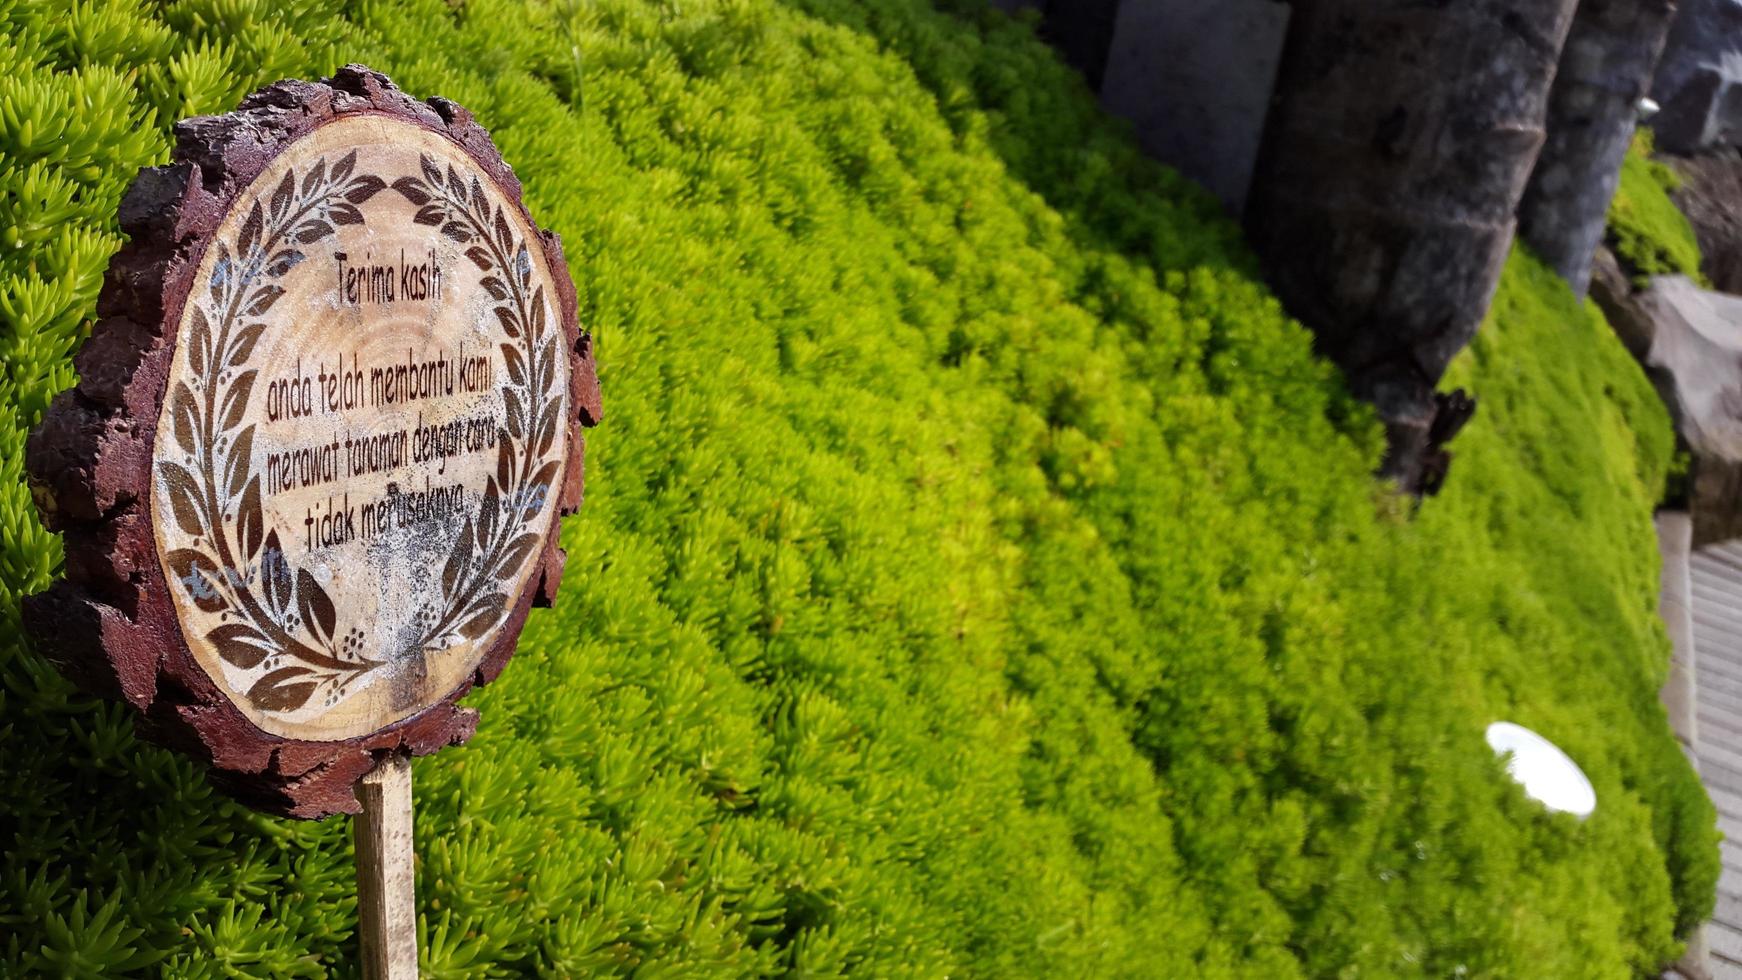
{"x":412,"y":190}
{"x":345,"y":214}
{"x":316,"y":174}
{"x":546,"y":370}
{"x":515,"y":363}
{"x":282,"y":689}
{"x":240,"y":462}
{"x":236,"y":399}
{"x":251,"y":228}
{"x":315,"y":605}
{"x":185,"y":416}
{"x":246,"y":339}
{"x":240,"y":645}
{"x":282,"y":196}
{"x":504,"y":462}
{"x":343,"y":168}
{"x":457,"y":560}
{"x":364,"y":188}
{"x":491,"y":509}
{"x":199,"y":342}
{"x":262,"y":300}
{"x":546,"y":475}
{"x":482,"y":615}
{"x":312,"y":231}
{"x":546,"y":432}
{"x":250,"y":521}
{"x":516,"y":552}
{"x":184,"y":498}
{"x":275,"y":576}
{"x":199,"y":330}
{"x":283,"y":261}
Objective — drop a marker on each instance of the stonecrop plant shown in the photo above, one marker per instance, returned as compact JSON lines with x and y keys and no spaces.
{"x":1649,"y":234}
{"x":979,"y":576}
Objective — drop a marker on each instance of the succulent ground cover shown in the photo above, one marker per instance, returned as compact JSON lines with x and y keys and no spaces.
{"x":978,"y":575}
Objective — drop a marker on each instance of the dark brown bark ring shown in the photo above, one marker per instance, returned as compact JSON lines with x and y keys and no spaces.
{"x":111,"y":624}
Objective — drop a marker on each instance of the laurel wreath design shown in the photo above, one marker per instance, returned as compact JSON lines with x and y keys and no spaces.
{"x":491,"y":550}
{"x":277,"y":618}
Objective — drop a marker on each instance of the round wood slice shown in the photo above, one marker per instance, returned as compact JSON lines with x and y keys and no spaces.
{"x":331,"y":411}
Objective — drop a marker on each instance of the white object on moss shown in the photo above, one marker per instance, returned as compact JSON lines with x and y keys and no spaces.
{"x":1545,"y":772}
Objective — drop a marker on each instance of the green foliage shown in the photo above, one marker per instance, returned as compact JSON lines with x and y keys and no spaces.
{"x":1651,"y":236}
{"x":978,"y":574}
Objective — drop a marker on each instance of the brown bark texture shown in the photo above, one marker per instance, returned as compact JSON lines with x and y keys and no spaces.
{"x":1397,"y":147}
{"x":1605,"y":68}
{"x":110,"y":624}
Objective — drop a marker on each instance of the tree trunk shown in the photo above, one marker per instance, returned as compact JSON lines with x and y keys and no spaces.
{"x":1398,"y":145}
{"x":1605,"y":68}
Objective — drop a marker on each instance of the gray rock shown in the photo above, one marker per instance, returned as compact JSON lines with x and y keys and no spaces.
{"x":1613,"y":293}
{"x":1699,"y":79}
{"x":1697,"y":342}
{"x":1711,"y":198}
{"x":1690,"y":341}
{"x":1194,"y":76}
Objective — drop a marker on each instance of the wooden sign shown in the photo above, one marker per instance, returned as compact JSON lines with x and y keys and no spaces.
{"x":311,"y":475}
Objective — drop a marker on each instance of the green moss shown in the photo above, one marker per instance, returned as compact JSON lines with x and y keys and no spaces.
{"x":1562,"y":402}
{"x":1651,"y":236}
{"x":978,"y":573}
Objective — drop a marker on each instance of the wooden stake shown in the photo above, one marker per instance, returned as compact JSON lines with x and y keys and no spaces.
{"x":386,"y":910}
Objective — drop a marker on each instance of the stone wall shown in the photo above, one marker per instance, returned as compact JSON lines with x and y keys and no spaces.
{"x":1193,"y":76}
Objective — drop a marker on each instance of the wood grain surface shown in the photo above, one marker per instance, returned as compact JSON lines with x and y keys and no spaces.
{"x":309,"y":479}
